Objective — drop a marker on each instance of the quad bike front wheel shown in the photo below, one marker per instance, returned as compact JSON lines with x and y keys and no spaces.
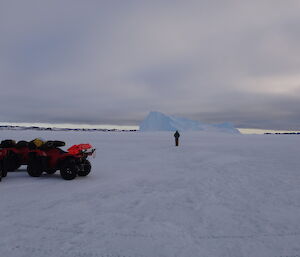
{"x":84,"y":168}
{"x":68,"y":170}
{"x":35,"y":167}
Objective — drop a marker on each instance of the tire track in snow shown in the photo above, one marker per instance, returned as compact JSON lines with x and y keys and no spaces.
{"x":216,"y":237}
{"x":39,"y":251}
{"x":151,"y":235}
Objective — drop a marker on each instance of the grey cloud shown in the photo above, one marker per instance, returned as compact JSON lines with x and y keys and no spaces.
{"x":113,"y":61}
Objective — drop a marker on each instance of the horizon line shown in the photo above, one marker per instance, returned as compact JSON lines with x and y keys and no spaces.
{"x":122,"y":127}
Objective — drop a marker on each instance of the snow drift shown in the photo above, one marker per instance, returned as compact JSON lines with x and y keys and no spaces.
{"x":156,"y":121}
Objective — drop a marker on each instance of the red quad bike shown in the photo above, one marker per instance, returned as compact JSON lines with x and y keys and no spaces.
{"x":12,"y":156}
{"x":50,"y":158}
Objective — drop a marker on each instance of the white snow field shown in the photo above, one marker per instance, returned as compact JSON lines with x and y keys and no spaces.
{"x":215,"y":195}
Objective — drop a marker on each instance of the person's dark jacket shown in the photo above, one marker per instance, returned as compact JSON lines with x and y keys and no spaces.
{"x":176,"y":135}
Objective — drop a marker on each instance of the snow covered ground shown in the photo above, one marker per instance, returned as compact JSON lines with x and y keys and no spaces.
{"x":216,"y":195}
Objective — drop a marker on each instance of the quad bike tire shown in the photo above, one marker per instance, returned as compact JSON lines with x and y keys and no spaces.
{"x":84,"y":168}
{"x":22,"y":144}
{"x":4,"y":173}
{"x":7,"y":143}
{"x":35,"y":167}
{"x":11,"y":162}
{"x":1,"y":171}
{"x":69,"y":169}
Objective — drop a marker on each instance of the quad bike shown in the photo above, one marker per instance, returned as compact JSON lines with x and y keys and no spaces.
{"x":42,"y":156}
{"x":12,"y":156}
{"x":50,"y":158}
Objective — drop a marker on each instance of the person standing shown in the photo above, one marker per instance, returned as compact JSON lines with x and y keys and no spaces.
{"x":176,"y":135}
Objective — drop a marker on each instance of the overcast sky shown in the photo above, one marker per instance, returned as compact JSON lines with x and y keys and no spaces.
{"x":93,"y":61}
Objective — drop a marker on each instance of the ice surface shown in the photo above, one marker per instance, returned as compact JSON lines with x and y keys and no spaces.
{"x":216,"y":195}
{"x":157,"y":121}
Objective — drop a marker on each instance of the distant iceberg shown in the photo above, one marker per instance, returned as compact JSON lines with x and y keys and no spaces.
{"x":156,"y":121}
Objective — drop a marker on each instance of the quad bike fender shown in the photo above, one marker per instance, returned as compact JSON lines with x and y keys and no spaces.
{"x":77,"y":149}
